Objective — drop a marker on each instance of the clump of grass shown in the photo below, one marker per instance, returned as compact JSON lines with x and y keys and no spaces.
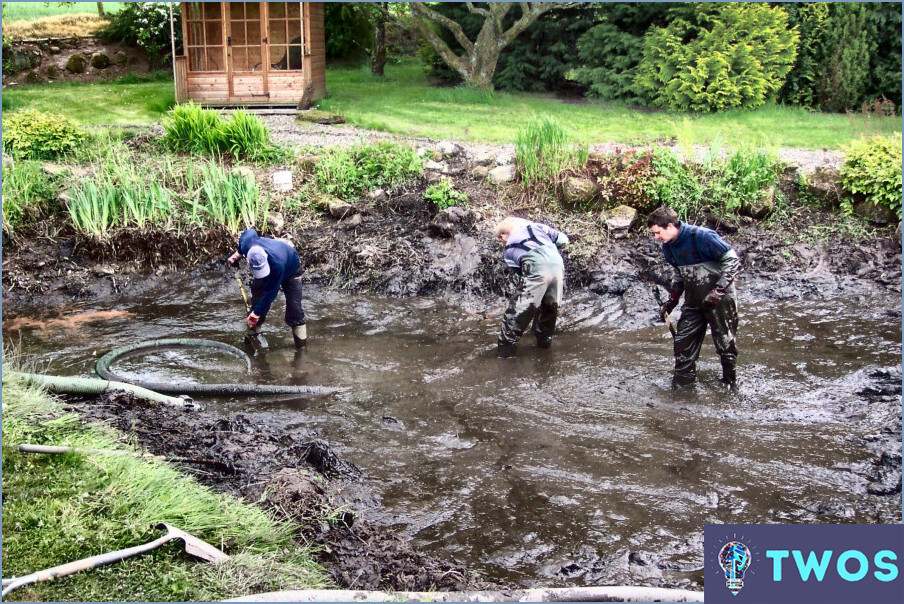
{"x":543,"y":150}
{"x":57,"y":509}
{"x":348,"y":173}
{"x":230,"y":199}
{"x":27,"y":194}
{"x":192,"y":129}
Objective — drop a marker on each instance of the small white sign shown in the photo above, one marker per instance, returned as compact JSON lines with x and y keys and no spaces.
{"x":282,"y":180}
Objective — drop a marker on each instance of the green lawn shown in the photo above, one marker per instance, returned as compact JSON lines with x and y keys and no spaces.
{"x":404,"y":103}
{"x":28,"y":11}
{"x":140,"y":104}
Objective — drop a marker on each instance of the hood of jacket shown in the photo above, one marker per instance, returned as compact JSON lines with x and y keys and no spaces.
{"x":248,"y":238}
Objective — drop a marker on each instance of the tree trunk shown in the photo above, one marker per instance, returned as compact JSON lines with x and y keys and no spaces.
{"x":100,"y":10}
{"x":378,"y":54}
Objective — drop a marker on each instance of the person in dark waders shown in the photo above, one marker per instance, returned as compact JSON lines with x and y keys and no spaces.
{"x":532,"y":251}
{"x":705,"y":269}
{"x":274,"y":264}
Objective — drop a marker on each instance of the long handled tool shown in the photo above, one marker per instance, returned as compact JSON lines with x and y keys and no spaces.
{"x":665,"y":316}
{"x":193,"y":546}
{"x":257,"y":341}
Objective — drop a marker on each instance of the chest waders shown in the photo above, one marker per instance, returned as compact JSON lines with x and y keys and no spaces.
{"x":538,"y":296}
{"x":699,"y":279}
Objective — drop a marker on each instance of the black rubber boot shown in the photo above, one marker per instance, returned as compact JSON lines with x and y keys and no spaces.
{"x":506,"y":351}
{"x":544,"y":341}
{"x":683,"y":382}
{"x":300,"y":335}
{"x":256,"y":341}
{"x":729,"y":375}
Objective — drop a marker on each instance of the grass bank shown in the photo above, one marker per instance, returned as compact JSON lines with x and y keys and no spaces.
{"x":58,"y":509}
{"x":132,"y":101}
{"x":404,"y":103}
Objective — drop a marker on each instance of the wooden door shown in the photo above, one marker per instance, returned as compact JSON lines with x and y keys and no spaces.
{"x":246,"y":41}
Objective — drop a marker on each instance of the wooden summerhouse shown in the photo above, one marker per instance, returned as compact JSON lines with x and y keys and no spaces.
{"x":251,"y":54}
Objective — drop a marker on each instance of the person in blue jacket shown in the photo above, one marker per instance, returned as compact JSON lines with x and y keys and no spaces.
{"x":532,"y":251}
{"x":274,"y":264}
{"x":705,"y":269}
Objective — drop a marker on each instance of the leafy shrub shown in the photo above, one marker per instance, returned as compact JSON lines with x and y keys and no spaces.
{"x":675,"y":185}
{"x":27,"y":193}
{"x":348,"y":173}
{"x":721,"y":55}
{"x":543,"y":150}
{"x":849,"y":46}
{"x":872,"y":168}
{"x":34,"y":134}
{"x":622,"y":177}
{"x":444,"y":195}
{"x":802,"y":83}
{"x":146,"y":25}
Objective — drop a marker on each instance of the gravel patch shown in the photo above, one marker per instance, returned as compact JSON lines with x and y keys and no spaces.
{"x":285,"y":130}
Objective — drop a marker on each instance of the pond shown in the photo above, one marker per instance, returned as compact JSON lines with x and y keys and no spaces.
{"x":568,"y":466}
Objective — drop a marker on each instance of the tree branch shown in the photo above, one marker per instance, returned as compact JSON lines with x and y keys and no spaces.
{"x":530,"y":12}
{"x":421,"y":10}
{"x":477,"y":11}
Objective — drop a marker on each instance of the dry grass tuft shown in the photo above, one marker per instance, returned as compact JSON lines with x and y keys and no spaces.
{"x":58,"y":26}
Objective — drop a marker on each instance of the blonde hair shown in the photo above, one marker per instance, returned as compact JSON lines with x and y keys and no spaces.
{"x":509,"y":224}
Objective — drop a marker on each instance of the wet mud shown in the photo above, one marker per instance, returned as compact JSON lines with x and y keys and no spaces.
{"x":575,"y":466}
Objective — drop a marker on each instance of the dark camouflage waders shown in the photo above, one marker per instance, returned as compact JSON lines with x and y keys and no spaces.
{"x":537,"y":298}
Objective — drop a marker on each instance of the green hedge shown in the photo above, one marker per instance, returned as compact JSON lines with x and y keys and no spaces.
{"x":872,"y":168}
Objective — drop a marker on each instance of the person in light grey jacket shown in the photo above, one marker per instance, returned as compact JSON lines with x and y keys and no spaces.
{"x":532,"y":251}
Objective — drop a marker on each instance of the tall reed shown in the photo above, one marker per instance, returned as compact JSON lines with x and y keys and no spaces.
{"x":543,"y":150}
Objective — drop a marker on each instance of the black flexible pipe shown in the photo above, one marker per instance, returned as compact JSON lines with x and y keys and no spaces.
{"x":103,"y":369}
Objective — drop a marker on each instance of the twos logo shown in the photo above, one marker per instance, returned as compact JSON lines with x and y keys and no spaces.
{"x":803,"y":563}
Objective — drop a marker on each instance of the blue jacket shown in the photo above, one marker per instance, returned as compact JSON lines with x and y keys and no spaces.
{"x":694,"y":245}
{"x":283,"y":261}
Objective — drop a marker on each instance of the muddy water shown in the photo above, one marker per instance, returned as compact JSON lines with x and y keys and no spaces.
{"x":575,"y":465}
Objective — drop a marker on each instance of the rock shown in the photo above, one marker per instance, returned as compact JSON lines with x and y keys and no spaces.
{"x":100,"y":60}
{"x":449,"y":149}
{"x":898,"y":233}
{"x":307,"y":163}
{"x":792,"y":171}
{"x":485,"y":158}
{"x":501,"y":175}
{"x":504,"y":160}
{"x":275,"y":221}
{"x":432,"y":177}
{"x":873,"y":212}
{"x":452,"y":220}
{"x":825,"y":185}
{"x":103,"y":270}
{"x":21,"y":58}
{"x":377,"y":196}
{"x":7,"y":161}
{"x":577,"y":191}
{"x":434,"y":166}
{"x":320,"y":117}
{"x":352,"y":221}
{"x":55,"y":50}
{"x":31,"y":78}
{"x":76,"y":63}
{"x":338,"y":208}
{"x":52,"y":71}
{"x":65,"y":198}
{"x":762,"y":207}
{"x":455,"y":168}
{"x":620,"y":219}
{"x":479,"y":172}
{"x":422,"y":151}
{"x":120,"y":58}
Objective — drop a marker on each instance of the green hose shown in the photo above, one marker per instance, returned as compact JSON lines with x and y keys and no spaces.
{"x":76,"y":385}
{"x":103,"y":370}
